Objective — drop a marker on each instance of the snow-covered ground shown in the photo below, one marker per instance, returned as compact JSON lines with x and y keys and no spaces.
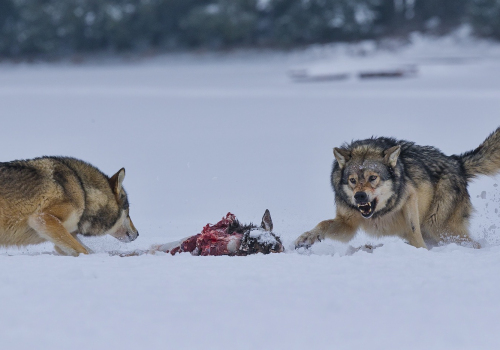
{"x":201,"y":135}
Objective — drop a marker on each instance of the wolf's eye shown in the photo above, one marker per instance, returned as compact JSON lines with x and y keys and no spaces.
{"x":353,"y":181}
{"x":372,"y":178}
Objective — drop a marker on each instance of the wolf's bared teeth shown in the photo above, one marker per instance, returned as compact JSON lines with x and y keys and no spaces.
{"x":365,"y":208}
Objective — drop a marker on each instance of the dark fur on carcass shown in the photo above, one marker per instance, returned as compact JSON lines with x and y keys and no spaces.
{"x":237,"y":227}
{"x":251,"y":245}
{"x":259,"y":244}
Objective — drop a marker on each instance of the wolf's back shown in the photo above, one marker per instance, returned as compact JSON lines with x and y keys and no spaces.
{"x":484,"y":160}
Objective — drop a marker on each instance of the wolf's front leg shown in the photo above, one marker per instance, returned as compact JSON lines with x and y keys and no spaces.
{"x":51,"y":228}
{"x":414,"y":232}
{"x":341,"y":229}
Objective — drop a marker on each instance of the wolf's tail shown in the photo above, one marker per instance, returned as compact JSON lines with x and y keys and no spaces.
{"x":484,"y":160}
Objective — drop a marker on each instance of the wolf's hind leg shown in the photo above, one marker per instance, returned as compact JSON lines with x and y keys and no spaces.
{"x":51,"y":228}
{"x":340,"y":229}
{"x":460,"y":235}
{"x":456,"y":226}
{"x":59,"y":250}
{"x":90,"y":251}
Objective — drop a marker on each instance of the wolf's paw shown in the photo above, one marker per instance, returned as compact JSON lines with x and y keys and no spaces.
{"x":72,"y":252}
{"x":306,"y":240}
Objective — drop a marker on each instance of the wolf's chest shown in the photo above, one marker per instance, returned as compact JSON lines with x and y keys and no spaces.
{"x":392,"y":224}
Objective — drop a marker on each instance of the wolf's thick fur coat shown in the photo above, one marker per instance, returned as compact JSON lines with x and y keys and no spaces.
{"x":415,"y":192}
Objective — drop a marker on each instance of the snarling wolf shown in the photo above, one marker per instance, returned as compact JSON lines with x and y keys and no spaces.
{"x":390,"y":187}
{"x":55,"y":198}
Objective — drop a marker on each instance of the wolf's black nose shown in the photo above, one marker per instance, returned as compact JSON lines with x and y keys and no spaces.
{"x":361,"y":197}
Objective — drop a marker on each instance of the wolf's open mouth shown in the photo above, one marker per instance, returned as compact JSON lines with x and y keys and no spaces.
{"x":367,"y":209}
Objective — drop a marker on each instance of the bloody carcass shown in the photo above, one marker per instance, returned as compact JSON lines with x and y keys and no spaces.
{"x":229,"y":237}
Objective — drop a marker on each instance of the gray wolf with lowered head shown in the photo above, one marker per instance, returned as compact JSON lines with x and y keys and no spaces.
{"x":389,"y":187}
{"x":55,"y":198}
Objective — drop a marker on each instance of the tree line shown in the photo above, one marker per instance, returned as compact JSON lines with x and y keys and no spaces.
{"x":29,"y":27}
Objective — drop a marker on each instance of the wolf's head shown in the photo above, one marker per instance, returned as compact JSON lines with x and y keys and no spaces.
{"x":366,"y":176}
{"x":123,"y":230}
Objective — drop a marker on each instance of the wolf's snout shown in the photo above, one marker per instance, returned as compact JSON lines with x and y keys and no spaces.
{"x":361,"y":197}
{"x":132,"y":236}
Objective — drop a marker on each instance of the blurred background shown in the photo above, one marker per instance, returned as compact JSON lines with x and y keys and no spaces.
{"x":61,"y":27}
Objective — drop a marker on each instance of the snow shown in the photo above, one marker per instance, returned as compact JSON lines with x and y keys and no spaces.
{"x":201,"y":135}
{"x":264,"y":237}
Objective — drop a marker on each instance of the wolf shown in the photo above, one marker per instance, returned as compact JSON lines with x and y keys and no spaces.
{"x":390,"y":187}
{"x":55,"y":198}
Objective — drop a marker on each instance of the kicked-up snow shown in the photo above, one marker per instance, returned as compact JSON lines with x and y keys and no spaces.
{"x":201,"y":135}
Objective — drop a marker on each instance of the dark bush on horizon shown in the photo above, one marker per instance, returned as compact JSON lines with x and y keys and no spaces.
{"x":59,"y":27}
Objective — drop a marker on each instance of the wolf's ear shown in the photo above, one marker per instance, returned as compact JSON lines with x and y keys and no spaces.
{"x":391,"y":155}
{"x":116,"y":181}
{"x":267,"y":222}
{"x":342,"y":156}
